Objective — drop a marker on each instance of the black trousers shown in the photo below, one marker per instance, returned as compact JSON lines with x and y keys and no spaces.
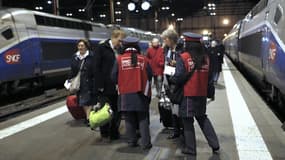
{"x":207,"y":129}
{"x":177,"y":125}
{"x":111,"y":129}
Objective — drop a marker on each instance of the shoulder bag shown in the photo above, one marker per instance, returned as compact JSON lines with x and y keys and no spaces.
{"x":75,"y":82}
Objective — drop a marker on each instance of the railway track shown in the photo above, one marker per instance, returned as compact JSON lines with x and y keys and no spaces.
{"x":49,"y":96}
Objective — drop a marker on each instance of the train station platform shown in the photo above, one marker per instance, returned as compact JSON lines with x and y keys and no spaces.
{"x":246,"y":127}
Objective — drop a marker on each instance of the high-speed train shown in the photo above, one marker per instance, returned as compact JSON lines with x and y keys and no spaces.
{"x":257,"y":44}
{"x":37,"y":46}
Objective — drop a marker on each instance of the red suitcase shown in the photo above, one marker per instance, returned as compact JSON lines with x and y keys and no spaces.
{"x":76,"y":111}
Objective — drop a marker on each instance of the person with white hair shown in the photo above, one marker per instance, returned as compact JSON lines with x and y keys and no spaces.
{"x":156,"y":60}
{"x":171,"y":51}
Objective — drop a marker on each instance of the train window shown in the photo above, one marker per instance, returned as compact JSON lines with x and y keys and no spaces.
{"x":49,"y":21}
{"x":278,"y":15}
{"x":40,"y":20}
{"x":8,"y":34}
{"x":61,"y":23}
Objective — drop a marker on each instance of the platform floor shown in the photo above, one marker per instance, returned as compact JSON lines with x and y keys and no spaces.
{"x":246,"y":127}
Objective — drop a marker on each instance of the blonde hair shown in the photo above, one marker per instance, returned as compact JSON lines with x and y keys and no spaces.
{"x":118,"y":32}
{"x":170,"y":34}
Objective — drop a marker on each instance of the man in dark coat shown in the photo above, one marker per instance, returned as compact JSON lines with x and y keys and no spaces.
{"x":216,"y":53}
{"x":104,"y":59}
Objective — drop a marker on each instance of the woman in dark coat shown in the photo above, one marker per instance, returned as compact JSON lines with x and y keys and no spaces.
{"x":85,"y":93}
{"x":195,"y":93}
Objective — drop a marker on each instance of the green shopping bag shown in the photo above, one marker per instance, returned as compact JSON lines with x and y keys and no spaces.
{"x":100,"y":117}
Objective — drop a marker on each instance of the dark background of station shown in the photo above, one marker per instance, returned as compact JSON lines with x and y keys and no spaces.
{"x":195,"y":13}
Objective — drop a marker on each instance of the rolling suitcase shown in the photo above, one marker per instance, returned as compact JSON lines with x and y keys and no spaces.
{"x":73,"y":108}
{"x":164,"y":107}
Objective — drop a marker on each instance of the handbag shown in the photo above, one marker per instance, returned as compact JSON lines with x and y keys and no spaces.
{"x":75,"y":82}
{"x":100,"y":117}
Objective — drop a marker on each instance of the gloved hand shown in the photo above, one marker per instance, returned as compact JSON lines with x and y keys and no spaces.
{"x":96,"y":107}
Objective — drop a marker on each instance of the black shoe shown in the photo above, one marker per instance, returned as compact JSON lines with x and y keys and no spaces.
{"x":187,"y":151}
{"x":138,"y":135}
{"x":147,"y":147}
{"x":173,"y":136}
{"x":115,"y":137}
{"x":216,"y":150}
{"x":86,"y":121}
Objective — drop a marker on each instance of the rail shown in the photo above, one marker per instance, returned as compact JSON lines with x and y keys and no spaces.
{"x":48,"y":96}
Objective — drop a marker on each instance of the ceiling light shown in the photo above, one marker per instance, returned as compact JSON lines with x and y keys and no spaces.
{"x":131,"y":6}
{"x":145,"y":5}
{"x":171,"y":27}
{"x":205,"y":32}
{"x":226,"y":21}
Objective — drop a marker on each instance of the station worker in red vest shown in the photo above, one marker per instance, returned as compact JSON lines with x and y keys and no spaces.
{"x":195,"y":93}
{"x":133,"y":75}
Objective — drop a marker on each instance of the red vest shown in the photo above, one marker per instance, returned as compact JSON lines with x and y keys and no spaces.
{"x":133,"y":79}
{"x":197,"y":85}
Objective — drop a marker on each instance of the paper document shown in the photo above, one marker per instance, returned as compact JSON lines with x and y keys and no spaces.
{"x":169,"y":70}
{"x":67,"y":84}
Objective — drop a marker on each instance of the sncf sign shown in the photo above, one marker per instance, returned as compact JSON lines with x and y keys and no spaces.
{"x":12,"y":56}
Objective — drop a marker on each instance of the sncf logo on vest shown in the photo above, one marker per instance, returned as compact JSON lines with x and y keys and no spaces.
{"x":127,"y":63}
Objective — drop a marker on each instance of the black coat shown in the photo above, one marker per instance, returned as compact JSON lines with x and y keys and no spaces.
{"x":86,"y":92}
{"x":216,"y":55}
{"x":104,"y":60}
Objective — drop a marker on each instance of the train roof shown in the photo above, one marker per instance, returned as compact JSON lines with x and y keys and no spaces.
{"x":23,"y":11}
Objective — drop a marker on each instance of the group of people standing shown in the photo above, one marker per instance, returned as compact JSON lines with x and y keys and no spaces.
{"x":119,"y":72}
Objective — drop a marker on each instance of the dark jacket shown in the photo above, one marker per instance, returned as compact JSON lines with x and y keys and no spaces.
{"x":216,"y":55}
{"x":103,"y":62}
{"x":85,"y":94}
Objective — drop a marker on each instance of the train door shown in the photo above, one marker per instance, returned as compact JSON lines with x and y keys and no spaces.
{"x":276,"y":55}
{"x":269,"y":46}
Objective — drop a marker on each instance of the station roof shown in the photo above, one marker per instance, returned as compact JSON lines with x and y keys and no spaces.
{"x":100,"y":9}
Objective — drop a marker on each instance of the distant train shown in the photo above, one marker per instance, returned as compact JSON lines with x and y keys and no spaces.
{"x":37,"y":46}
{"x":257,"y":44}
